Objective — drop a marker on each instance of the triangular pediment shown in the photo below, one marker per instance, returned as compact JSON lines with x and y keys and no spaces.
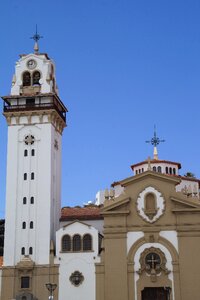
{"x":118,"y":206}
{"x":187,"y":205}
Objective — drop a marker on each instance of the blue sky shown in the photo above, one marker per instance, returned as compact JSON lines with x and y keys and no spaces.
{"x":122,"y":66}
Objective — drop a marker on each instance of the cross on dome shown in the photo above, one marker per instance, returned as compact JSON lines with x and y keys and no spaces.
{"x":36,"y":37}
{"x":155,"y":141}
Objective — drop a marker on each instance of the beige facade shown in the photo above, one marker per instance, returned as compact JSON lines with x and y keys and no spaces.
{"x":162,"y":262}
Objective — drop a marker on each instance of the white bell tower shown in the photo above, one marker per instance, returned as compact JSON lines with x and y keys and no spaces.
{"x":36,"y":118}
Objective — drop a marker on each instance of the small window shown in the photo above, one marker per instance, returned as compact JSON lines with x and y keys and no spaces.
{"x":25,"y":282}
{"x":26,"y":79}
{"x":87,"y":242}
{"x":32,"y":175}
{"x":170,"y":170}
{"x":139,"y":171}
{"x":159,"y":169}
{"x":142,"y":170}
{"x":33,"y":152}
{"x":76,"y":242}
{"x":23,"y":225}
{"x":24,"y":200}
{"x":174,"y":171}
{"x":23,"y":251}
{"x":25,"y":152}
{"x":32,"y":200}
{"x":36,"y":78}
{"x":154,"y":169}
{"x":25,"y":176}
{"x":30,"y":250}
{"x":136,"y":171}
{"x":166,"y":170}
{"x":31,"y":225}
{"x":66,"y":243}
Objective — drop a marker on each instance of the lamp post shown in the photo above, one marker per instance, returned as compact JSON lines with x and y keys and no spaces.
{"x":51,"y":288}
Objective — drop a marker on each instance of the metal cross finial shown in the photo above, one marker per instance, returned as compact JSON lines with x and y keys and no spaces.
{"x":155,"y":141}
{"x":36,"y":37}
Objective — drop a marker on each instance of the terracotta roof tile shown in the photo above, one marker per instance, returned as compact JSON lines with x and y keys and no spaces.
{"x":80,"y":213}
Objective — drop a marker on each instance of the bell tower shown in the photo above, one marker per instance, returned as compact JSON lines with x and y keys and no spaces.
{"x":36,"y":118}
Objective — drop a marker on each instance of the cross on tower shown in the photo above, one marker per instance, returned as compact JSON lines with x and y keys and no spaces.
{"x":155,"y":141}
{"x":36,"y":37}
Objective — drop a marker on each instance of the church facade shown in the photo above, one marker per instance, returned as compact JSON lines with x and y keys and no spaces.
{"x":139,"y":241}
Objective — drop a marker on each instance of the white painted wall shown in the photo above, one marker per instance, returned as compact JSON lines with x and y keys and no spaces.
{"x":98,"y":224}
{"x":45,"y":189}
{"x":83,"y":262}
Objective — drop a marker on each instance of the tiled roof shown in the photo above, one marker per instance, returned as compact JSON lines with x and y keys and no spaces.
{"x":1,"y":261}
{"x":80,"y":213}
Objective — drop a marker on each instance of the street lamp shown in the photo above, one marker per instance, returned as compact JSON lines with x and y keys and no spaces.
{"x":51,"y":288}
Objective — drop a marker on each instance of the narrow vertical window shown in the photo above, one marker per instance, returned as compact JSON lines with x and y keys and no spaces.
{"x":174,"y":171}
{"x":23,"y":225}
{"x":26,"y":79}
{"x":76,"y":242}
{"x":32,"y":200}
{"x":87,"y":242}
{"x":31,"y":225}
{"x":25,"y":176}
{"x":166,"y":170}
{"x":25,"y":282}
{"x":30,"y":250}
{"x":24,"y":200}
{"x":159,"y":169}
{"x":25,"y":152}
{"x":170,"y":170}
{"x":23,"y":251}
{"x":33,"y":152}
{"x":32,"y":175}
{"x":66,"y":243}
{"x":154,"y":169}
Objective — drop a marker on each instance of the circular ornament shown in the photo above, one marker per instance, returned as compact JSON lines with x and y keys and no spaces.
{"x":31,"y":64}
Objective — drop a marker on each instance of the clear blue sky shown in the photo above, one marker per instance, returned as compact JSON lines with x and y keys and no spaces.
{"x":122,"y":66}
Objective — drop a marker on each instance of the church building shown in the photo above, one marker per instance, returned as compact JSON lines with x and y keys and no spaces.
{"x":140,"y":240}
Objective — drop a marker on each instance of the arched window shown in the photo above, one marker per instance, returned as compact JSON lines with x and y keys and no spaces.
{"x":24,"y":200}
{"x":23,"y":225}
{"x":150,"y":207}
{"x":76,"y":242}
{"x":23,"y":251}
{"x":170,"y":170}
{"x":166,"y":170}
{"x":136,"y":171}
{"x":32,"y":200}
{"x":154,"y":169}
{"x":25,"y":176}
{"x":36,"y":78}
{"x":30,"y":250}
{"x":142,"y":170}
{"x":174,"y":171}
{"x":32,"y":175}
{"x":66,"y":243}
{"x":33,"y":152}
{"x":26,"y":79}
{"x":31,"y":225}
{"x":159,"y":169}
{"x":87,"y":242}
{"x":25,"y":152}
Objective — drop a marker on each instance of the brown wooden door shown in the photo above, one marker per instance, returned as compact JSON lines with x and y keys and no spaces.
{"x":158,"y":293}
